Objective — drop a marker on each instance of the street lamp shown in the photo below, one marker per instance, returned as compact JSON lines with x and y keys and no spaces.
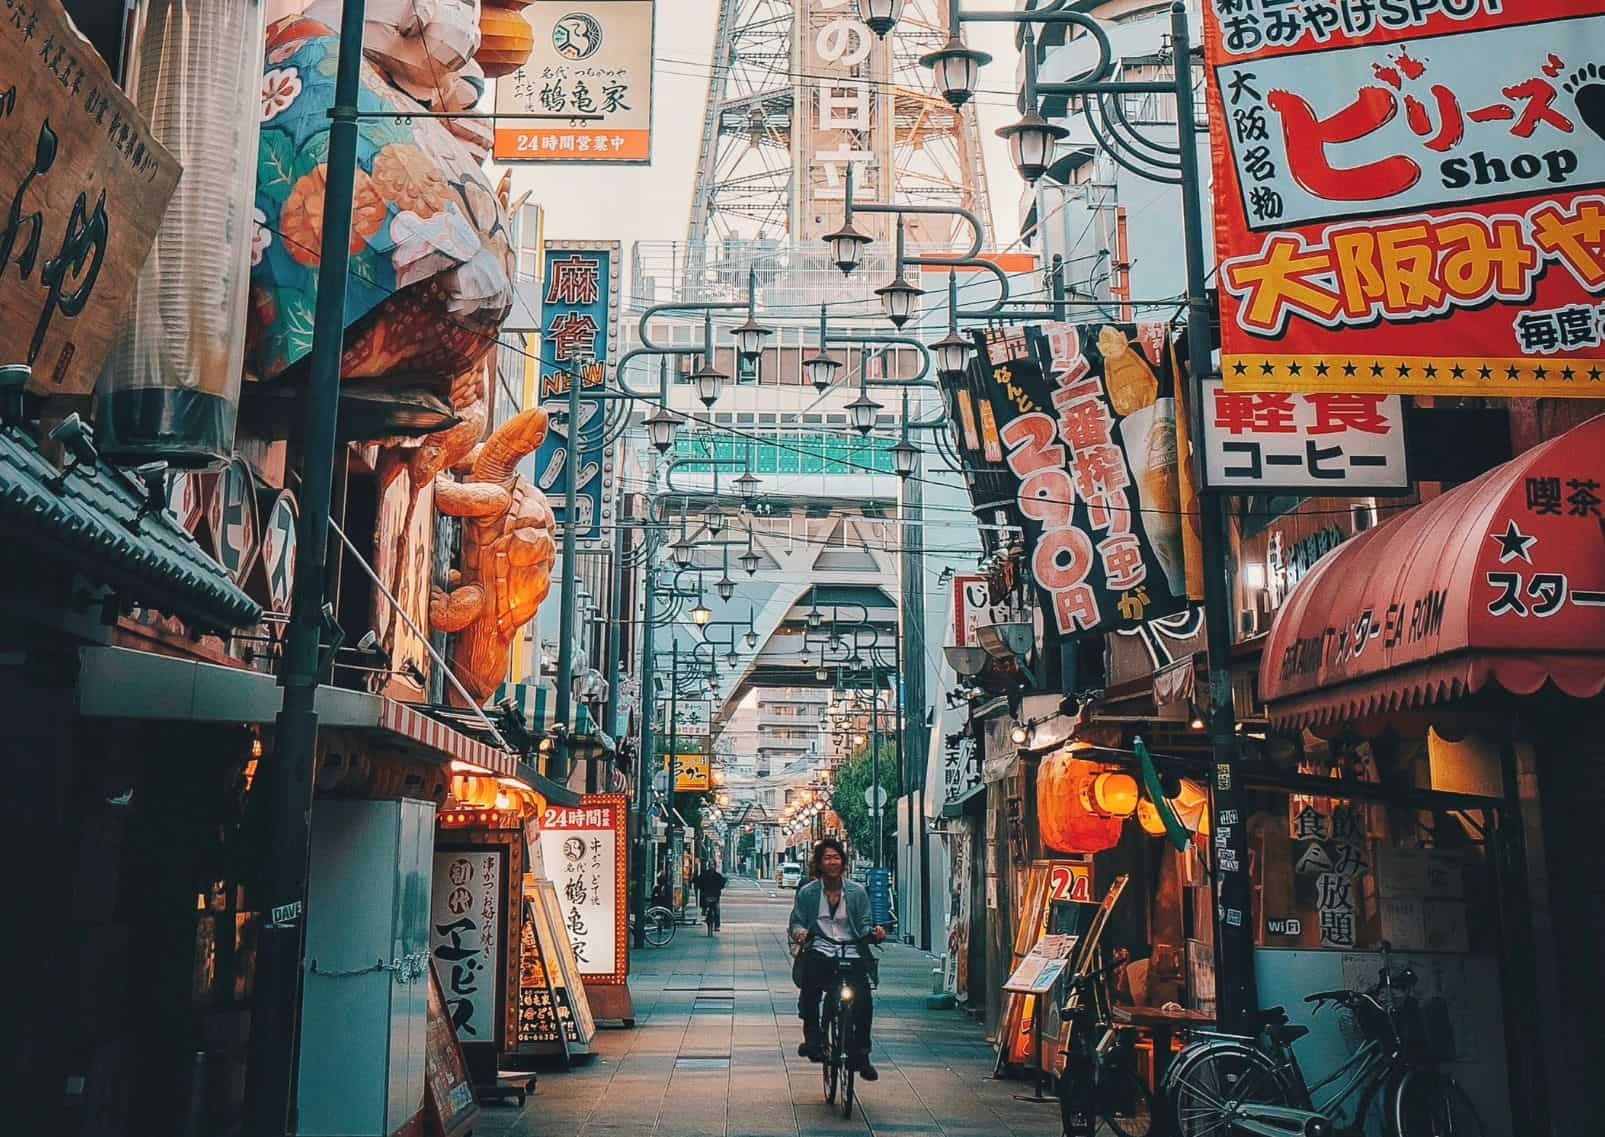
{"x":746,"y":485}
{"x":715,"y":522}
{"x":880,"y":15}
{"x":904,"y":455}
{"x":731,"y":659}
{"x":709,"y":381}
{"x":814,"y":617}
{"x":821,"y":370}
{"x":726,"y":587}
{"x":952,"y":353}
{"x":847,"y":246}
{"x":897,"y":300}
{"x":660,"y":428}
{"x":683,"y":552}
{"x":701,"y":614}
{"x":749,"y":561}
{"x":955,"y":70}
{"x":749,"y":337}
{"x":821,"y":675}
{"x":1031,"y":141}
{"x":862,"y":411}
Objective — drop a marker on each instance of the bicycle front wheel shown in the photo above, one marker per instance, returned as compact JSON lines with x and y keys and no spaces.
{"x":659,"y":926}
{"x":1218,"y":1077}
{"x":1124,"y":1103}
{"x":829,"y":1067}
{"x":1430,"y":1104}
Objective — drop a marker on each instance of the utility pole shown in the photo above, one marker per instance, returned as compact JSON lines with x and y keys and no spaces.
{"x":646,"y":767}
{"x":276,"y":1010}
{"x":610,"y":662}
{"x":674,"y":767}
{"x":875,"y":758}
{"x":565,"y":634}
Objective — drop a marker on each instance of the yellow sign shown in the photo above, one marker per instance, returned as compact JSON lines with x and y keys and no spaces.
{"x":691,"y":772}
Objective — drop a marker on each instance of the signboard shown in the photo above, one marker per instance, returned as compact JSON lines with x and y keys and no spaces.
{"x":276,"y":565}
{"x":971,"y":606}
{"x":1068,"y":881}
{"x":843,"y":121}
{"x":690,"y":772}
{"x":961,"y":766}
{"x":1086,"y":418}
{"x":465,"y":912}
{"x":1327,"y":442}
{"x":87,"y":185}
{"x":583,"y":849}
{"x":231,"y":517}
{"x":449,"y":1097}
{"x":592,"y":59}
{"x":579,"y":335}
{"x":1430,"y":173}
{"x":538,"y":1022}
{"x":562,"y":969}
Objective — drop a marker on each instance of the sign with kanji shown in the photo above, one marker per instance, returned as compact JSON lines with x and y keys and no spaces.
{"x":583,"y":849}
{"x":971,"y":607}
{"x":691,"y":772}
{"x":593,"y":61}
{"x":1086,"y":423}
{"x":961,"y":766}
{"x":84,"y":185}
{"x":1408,"y":197}
{"x":1327,"y":442}
{"x":579,"y":336}
{"x":465,"y":936}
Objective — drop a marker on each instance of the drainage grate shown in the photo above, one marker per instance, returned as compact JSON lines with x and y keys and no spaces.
{"x":702,"y":1063}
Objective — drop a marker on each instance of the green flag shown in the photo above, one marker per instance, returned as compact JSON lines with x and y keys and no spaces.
{"x":1175,"y":832}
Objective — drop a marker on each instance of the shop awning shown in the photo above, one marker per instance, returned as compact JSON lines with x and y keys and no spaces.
{"x":93,"y":518}
{"x":1499,"y":582}
{"x":120,"y":683}
{"x":537,"y":702}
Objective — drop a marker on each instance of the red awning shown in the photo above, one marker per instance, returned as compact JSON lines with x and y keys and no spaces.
{"x":1499,"y":581}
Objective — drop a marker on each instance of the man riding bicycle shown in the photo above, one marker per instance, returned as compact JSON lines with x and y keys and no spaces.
{"x":710,"y":884}
{"x":827,"y":908}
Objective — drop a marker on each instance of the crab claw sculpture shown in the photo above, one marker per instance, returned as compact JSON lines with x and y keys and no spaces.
{"x":507,"y":554}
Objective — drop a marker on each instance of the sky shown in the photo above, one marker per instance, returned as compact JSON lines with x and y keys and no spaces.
{"x":653,"y":203}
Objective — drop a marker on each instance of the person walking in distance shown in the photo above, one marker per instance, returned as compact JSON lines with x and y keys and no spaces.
{"x":710,"y":886}
{"x":831,"y":906}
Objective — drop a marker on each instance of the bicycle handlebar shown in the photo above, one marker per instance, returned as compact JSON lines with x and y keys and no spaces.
{"x":1340,"y":995}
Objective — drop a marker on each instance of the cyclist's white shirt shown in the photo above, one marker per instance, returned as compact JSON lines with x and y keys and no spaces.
{"x":837,"y":927}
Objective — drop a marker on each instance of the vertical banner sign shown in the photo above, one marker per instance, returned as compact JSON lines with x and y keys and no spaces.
{"x":1326,"y":442}
{"x":583,"y":848}
{"x":1426,"y":173}
{"x":579,"y":335}
{"x":593,"y":60}
{"x":842,"y":121}
{"x":86,"y":185}
{"x":1087,"y":421}
{"x":465,"y":913}
{"x":961,"y":766}
{"x":971,"y":603}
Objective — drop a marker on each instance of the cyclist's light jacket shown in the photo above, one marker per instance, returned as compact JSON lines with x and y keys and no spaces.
{"x":809,"y":906}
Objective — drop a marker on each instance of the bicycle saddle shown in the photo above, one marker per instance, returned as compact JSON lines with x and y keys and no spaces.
{"x":1273,"y":1021}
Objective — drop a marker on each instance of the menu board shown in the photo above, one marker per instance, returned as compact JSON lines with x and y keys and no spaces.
{"x":568,"y":987}
{"x":583,"y":847}
{"x":450,"y":1105}
{"x":538,"y":1021}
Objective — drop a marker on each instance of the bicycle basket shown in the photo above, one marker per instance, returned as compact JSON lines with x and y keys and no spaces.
{"x":1426,"y":1030}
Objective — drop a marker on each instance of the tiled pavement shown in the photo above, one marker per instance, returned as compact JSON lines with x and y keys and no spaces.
{"x":714,"y":1053}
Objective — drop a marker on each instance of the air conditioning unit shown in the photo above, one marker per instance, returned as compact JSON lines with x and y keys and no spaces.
{"x":1011,"y":640}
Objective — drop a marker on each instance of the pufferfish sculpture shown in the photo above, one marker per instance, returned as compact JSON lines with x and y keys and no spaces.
{"x":507,"y":553}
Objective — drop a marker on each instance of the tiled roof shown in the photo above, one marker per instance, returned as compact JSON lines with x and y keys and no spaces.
{"x":88,"y":518}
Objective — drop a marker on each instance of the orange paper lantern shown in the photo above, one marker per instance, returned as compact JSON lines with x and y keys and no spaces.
{"x":1066,"y":825}
{"x":505,"y":39}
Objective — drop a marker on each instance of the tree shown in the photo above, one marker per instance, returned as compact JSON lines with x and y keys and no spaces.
{"x":847,"y":798}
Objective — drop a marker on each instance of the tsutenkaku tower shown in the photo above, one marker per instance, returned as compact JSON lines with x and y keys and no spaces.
{"x":801,"y":88}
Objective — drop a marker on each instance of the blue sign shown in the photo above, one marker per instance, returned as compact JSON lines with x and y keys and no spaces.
{"x":579,"y":313}
{"x":880,"y":895}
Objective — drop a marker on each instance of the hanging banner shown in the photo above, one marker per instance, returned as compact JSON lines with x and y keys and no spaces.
{"x":583,"y":849}
{"x":1086,"y":418}
{"x":579,"y":335}
{"x":1333,"y":443}
{"x":592,"y":60}
{"x":971,"y":607}
{"x":1427,"y":173}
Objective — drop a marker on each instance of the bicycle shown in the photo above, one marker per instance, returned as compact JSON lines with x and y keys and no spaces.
{"x":710,"y":916}
{"x":1099,"y":1078}
{"x":835,"y":1027}
{"x":660,"y":925}
{"x":1252,"y":1084}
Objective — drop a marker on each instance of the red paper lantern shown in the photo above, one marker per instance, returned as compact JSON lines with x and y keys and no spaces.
{"x":1064,"y":782}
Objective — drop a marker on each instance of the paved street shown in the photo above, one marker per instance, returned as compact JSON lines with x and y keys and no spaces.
{"x":714,"y":1052}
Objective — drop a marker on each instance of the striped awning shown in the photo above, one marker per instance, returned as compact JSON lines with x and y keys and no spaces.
{"x":431,"y":733}
{"x":537,"y":702}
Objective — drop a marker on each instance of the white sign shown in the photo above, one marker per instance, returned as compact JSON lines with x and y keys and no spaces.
{"x":583,"y":850}
{"x":1341,"y":134}
{"x":961,"y":766}
{"x":593,"y":61}
{"x":1322,"y":441}
{"x":465,"y":915}
{"x":875,"y":797}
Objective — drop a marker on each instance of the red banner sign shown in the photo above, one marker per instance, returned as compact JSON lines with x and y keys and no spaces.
{"x":1430,"y":174}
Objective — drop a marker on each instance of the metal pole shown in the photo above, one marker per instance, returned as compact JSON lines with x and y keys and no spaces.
{"x":875,"y":759}
{"x":565,"y":623}
{"x":610,"y":662}
{"x":270,"y":1087}
{"x":646,"y":768}
{"x":674,"y":761}
{"x":1235,"y":990}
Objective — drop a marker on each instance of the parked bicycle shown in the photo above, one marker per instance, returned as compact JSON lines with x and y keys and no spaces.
{"x":660,"y":925}
{"x":1100,"y":1079}
{"x":836,"y":1022}
{"x":1225,"y":1084}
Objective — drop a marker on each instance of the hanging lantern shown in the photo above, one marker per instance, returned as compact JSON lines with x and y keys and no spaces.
{"x":1064,"y":783}
{"x":505,"y":37}
{"x":1148,"y":817}
{"x":474,"y":790}
{"x":1111,"y":794}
